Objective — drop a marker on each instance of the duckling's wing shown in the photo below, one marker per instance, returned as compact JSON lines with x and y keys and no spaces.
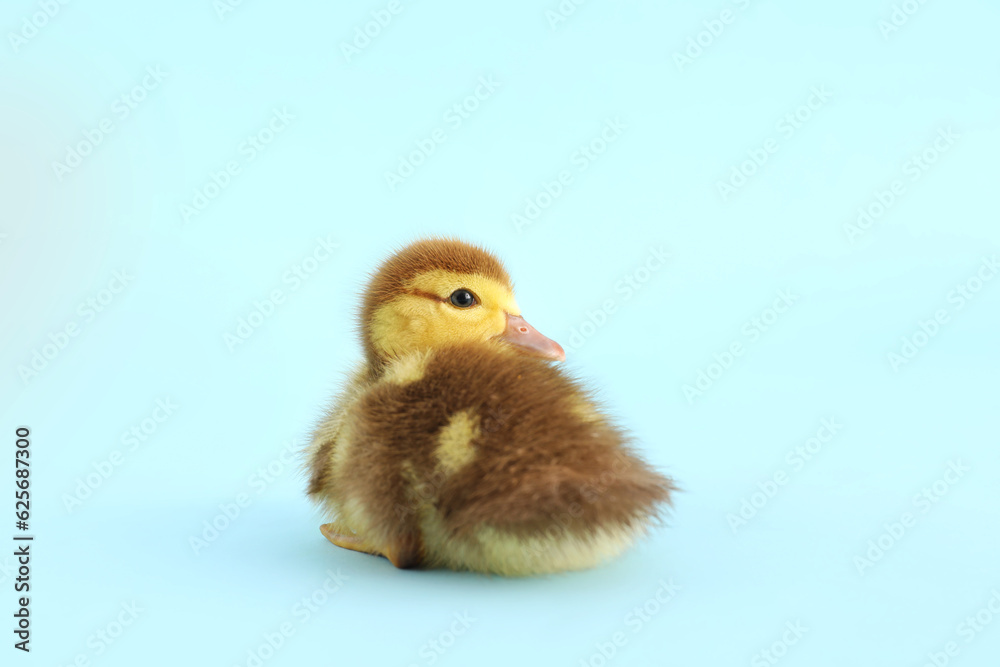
{"x":543,"y":458}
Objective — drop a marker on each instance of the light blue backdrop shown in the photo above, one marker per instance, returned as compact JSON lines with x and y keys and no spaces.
{"x":815,"y":359}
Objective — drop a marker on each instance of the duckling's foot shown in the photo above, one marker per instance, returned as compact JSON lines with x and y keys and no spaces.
{"x":403,"y":556}
{"x":331,"y":531}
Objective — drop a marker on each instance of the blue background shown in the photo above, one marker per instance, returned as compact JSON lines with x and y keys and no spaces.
{"x":687,"y":125}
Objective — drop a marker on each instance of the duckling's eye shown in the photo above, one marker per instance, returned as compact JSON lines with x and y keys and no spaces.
{"x":462,"y":298}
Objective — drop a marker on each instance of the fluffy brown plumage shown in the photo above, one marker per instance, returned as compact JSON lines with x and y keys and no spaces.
{"x":461,"y":449}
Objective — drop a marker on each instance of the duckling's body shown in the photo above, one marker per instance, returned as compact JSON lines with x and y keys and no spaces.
{"x":468,"y":453}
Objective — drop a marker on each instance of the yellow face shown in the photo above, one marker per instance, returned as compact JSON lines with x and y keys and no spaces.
{"x":436,"y":311}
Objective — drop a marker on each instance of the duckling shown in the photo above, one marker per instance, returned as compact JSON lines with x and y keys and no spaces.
{"x":458,"y":443}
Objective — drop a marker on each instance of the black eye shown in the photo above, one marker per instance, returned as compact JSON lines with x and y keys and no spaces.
{"x":462,"y":298}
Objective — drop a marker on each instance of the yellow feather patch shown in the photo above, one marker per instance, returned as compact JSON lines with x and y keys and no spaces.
{"x":415,"y":322}
{"x":407,"y":369}
{"x":455,"y":448}
{"x":351,"y":515}
{"x":585,"y":410}
{"x":341,"y":449}
{"x":506,"y":554}
{"x":492,"y":550}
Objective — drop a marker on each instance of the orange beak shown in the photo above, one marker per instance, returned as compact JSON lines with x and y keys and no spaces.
{"x":527,"y":338}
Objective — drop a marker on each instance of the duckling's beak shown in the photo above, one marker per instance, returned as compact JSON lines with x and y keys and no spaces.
{"x":527,"y":337}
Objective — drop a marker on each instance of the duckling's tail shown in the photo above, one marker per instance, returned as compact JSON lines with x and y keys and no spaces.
{"x":565,"y":514}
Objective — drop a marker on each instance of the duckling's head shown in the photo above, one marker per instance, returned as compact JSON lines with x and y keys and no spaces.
{"x":439,"y":292}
